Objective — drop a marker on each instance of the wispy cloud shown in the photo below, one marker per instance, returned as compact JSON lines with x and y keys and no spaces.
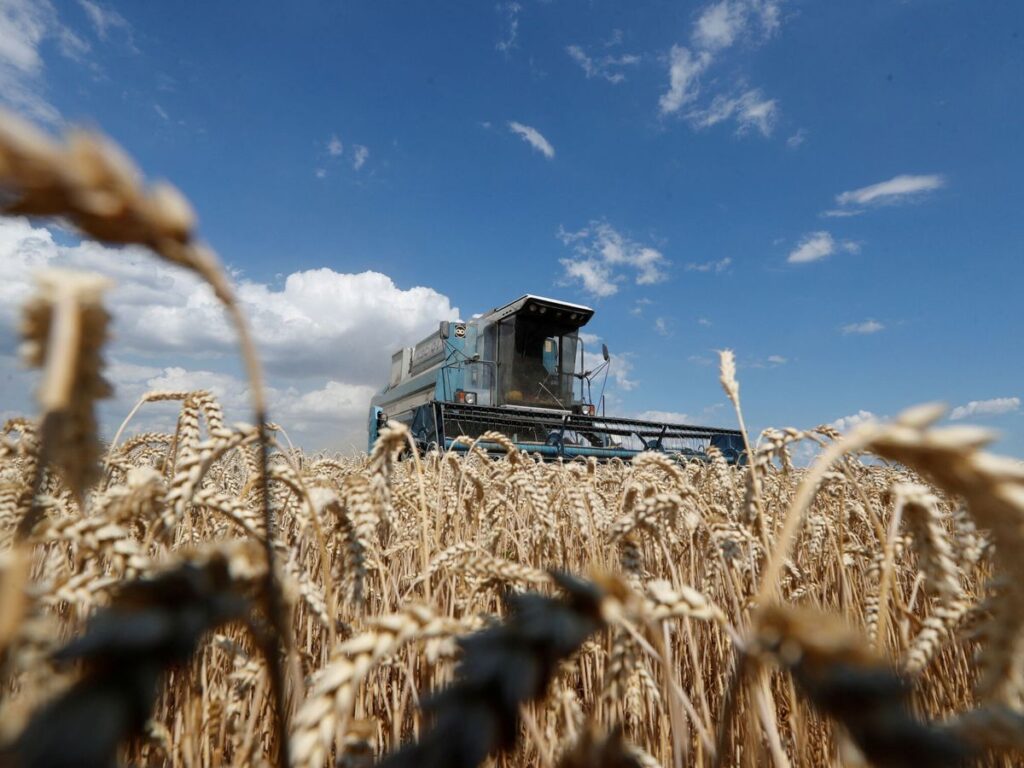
{"x":898,"y":189}
{"x":533,"y":137}
{"x":608,"y":67}
{"x":721,"y":265}
{"x":721,"y":25}
{"x":601,"y":254}
{"x":334,"y":146}
{"x":662,"y":327}
{"x":106,"y":20}
{"x":510,"y":16}
{"x":360,"y":155}
{"x":994,"y":407}
{"x":818,"y":245}
{"x":683,"y":72}
{"x":639,"y":305}
{"x":797,"y":139}
{"x":24,"y":24}
{"x":750,"y":110}
{"x":867,"y":327}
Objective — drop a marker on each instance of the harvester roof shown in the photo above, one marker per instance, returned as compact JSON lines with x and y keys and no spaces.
{"x":558,"y":312}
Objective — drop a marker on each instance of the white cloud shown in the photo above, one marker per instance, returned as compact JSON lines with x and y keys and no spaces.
{"x":719,"y":26}
{"x":722,"y":23}
{"x":601,"y":252}
{"x":777,"y":360}
{"x":24,"y":24}
{"x":104,"y":19}
{"x":607,"y":67}
{"x":316,"y":327}
{"x":895,"y":190}
{"x":511,"y":11}
{"x":710,"y":266}
{"x":994,"y":407}
{"x":797,"y":139}
{"x":595,"y":277}
{"x":667,"y":417}
{"x":704,"y":322}
{"x":846,"y":423}
{"x":842,"y":213}
{"x":661,"y":326}
{"x":638,"y":306}
{"x":620,"y":370}
{"x":360,"y":155}
{"x":532,"y":137}
{"x":334,"y":146}
{"x":750,"y":110}
{"x":320,"y":173}
{"x":818,"y":245}
{"x":683,"y":72}
{"x":866,"y":327}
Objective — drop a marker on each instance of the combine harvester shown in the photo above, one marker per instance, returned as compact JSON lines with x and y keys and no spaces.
{"x":520,"y":370}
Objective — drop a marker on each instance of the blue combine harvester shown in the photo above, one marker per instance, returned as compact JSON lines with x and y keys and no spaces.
{"x":520,"y":370}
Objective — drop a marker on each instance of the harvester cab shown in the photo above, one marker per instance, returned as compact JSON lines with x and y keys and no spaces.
{"x":520,"y":369}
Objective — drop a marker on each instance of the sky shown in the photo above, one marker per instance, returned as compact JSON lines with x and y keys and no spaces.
{"x":833,"y":190}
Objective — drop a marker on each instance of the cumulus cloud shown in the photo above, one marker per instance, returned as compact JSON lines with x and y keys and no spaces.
{"x":994,"y":407}
{"x":595,"y":277}
{"x":866,"y":327}
{"x":846,"y":423}
{"x":608,"y":67}
{"x":601,"y":254}
{"x":896,"y":190}
{"x":533,"y":137}
{"x":315,"y":327}
{"x":818,"y":245}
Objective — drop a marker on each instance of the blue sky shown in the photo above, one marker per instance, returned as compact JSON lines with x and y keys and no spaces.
{"x":831,"y":189}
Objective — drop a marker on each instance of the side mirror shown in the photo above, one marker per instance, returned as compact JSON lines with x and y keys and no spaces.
{"x":445,"y":328}
{"x":604,"y":352}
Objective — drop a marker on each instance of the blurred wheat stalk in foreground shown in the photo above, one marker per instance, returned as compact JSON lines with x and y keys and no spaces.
{"x":850,"y":613}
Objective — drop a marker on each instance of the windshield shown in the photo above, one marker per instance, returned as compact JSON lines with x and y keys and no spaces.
{"x":535,"y":363}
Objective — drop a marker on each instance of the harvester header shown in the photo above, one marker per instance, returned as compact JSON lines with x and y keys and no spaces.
{"x":520,"y":369}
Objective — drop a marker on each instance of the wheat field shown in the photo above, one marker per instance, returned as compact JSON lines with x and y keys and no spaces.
{"x":211,"y":596}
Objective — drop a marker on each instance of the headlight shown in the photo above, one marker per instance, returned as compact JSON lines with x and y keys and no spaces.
{"x":471,"y":398}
